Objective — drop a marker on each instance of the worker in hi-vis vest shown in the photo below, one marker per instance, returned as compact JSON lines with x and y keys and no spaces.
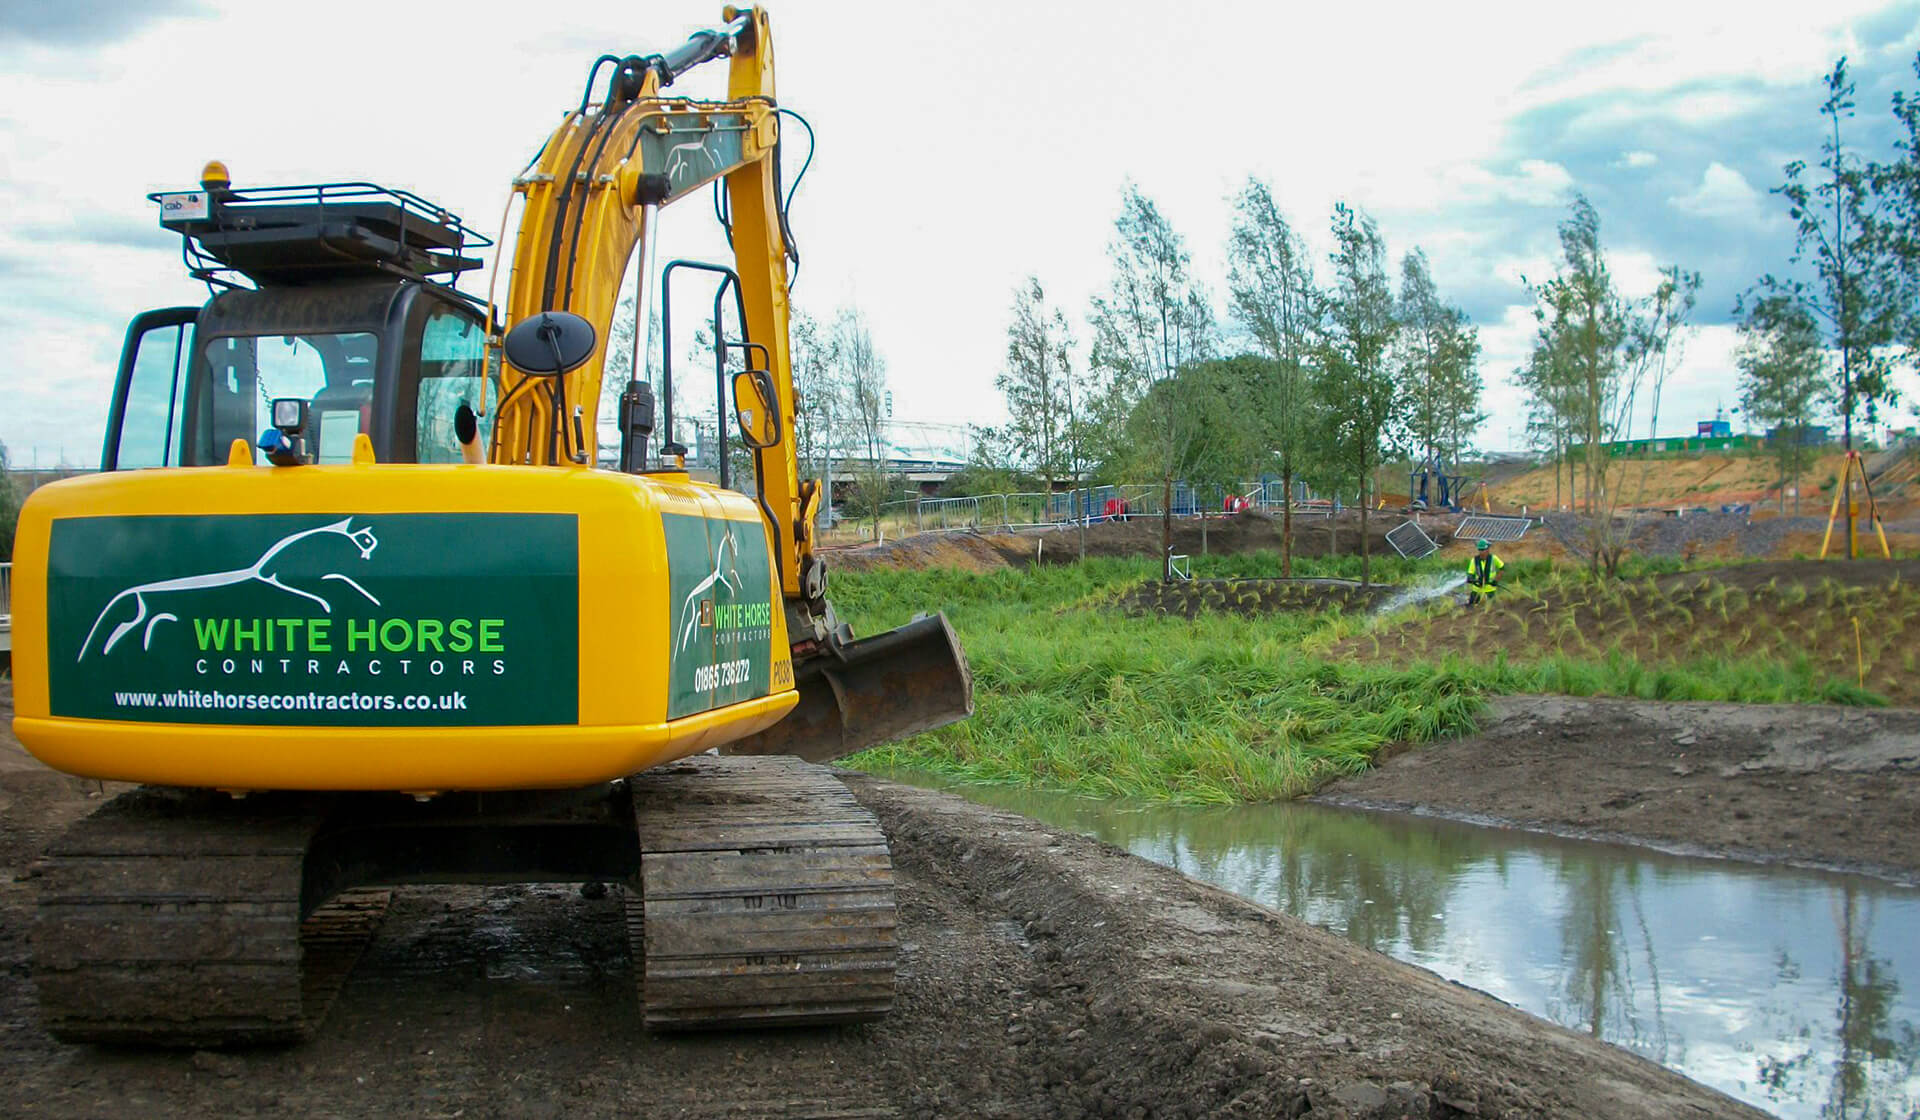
{"x":1483,"y":573}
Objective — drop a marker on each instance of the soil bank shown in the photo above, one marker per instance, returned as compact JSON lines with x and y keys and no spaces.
{"x":1042,"y":975}
{"x":1223,"y":534}
{"x":1813,"y":785}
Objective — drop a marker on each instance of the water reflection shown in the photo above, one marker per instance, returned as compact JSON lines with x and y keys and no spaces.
{"x":1778,"y":986}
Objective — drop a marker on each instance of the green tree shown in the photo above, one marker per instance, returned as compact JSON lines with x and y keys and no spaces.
{"x":1842,"y":233}
{"x":1898,"y":182}
{"x":1354,"y":381}
{"x":1550,"y":411}
{"x":816,"y":389}
{"x":862,"y":375}
{"x":1036,"y":383}
{"x":1219,"y":396}
{"x":1270,"y":275}
{"x":1598,"y":351}
{"x":1783,"y":381}
{"x":1152,"y":320}
{"x":1438,"y":364}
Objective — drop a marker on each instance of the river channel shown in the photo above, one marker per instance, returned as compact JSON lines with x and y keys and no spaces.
{"x":1794,"y":990}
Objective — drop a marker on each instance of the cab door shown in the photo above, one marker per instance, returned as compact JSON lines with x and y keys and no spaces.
{"x":149,"y":393}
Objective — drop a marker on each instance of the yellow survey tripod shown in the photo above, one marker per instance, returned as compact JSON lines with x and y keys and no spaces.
{"x":1843,"y":491}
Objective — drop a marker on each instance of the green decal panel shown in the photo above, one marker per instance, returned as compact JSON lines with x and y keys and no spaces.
{"x":382,"y":620}
{"x":720,"y":612}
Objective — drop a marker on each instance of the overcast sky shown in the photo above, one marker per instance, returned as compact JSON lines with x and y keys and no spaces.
{"x":962,"y":147}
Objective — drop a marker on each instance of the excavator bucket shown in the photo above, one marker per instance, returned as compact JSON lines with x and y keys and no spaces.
{"x":870,"y":692}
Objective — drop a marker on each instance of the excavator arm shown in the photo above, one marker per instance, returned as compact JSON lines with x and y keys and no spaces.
{"x":593,"y":196}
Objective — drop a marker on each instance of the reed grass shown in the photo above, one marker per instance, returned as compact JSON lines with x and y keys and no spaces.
{"x":1073,"y":694}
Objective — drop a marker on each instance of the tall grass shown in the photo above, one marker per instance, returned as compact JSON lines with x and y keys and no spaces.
{"x":1072,"y":694}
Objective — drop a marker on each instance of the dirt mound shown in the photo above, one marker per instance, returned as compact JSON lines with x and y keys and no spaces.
{"x":1250,"y":598}
{"x":974,"y":552}
{"x":1726,"y":536}
{"x":1247,"y":531}
{"x":1782,"y":611}
{"x":1706,"y":479}
{"x":1830,"y":787}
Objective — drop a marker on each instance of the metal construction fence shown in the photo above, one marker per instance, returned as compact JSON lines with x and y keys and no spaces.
{"x":1411,"y":541}
{"x":1085,"y":504}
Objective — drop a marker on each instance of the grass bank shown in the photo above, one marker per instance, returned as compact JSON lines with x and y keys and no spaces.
{"x":1073,"y":693}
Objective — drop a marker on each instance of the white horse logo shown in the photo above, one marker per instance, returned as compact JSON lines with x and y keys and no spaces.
{"x":726,"y":556}
{"x":680,"y":157}
{"x":363,"y":539}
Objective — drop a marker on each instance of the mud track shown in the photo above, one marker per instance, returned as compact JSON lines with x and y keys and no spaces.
{"x":1043,"y":974}
{"x":1812,"y":785}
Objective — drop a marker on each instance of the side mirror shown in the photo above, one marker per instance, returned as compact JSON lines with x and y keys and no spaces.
{"x":550,"y":343}
{"x":756,"y":408}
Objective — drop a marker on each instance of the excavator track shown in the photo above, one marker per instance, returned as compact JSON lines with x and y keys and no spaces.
{"x":174,"y":918}
{"x":766,"y":897}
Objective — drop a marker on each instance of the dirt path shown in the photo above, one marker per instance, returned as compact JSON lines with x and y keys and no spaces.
{"x":1820,"y":786}
{"x":1043,"y":975}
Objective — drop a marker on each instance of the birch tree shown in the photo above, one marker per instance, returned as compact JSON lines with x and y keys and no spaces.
{"x":1438,"y":364}
{"x":1270,"y":276}
{"x":1152,"y":320}
{"x":1783,"y":382}
{"x":1602,"y":352}
{"x":862,"y":374}
{"x":1354,"y":380}
{"x":1037,"y":384}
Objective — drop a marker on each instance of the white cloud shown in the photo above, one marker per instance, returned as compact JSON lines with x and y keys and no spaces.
{"x":1637,"y":159}
{"x":1723,"y":194}
{"x":926,"y":210}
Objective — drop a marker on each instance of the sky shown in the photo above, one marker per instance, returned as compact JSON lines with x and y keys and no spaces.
{"x":962,"y":147}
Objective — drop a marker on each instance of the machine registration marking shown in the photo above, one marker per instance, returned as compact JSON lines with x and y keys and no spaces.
{"x":727,"y":674}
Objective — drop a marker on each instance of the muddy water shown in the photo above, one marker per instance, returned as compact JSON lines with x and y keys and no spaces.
{"x":1797,"y":991}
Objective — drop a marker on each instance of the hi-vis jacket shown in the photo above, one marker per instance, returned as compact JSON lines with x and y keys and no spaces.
{"x":1483,"y":570}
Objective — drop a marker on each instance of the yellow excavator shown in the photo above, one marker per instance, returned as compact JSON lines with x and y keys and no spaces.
{"x":356,"y":603}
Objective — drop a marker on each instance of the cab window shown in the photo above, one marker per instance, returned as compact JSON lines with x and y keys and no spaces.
{"x":453,"y":371}
{"x":150,"y":427}
{"x":333,"y":372}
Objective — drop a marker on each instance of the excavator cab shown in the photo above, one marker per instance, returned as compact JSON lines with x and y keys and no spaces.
{"x":341,"y":311}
